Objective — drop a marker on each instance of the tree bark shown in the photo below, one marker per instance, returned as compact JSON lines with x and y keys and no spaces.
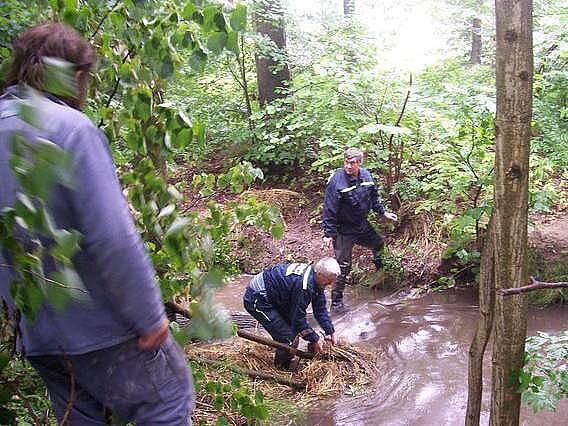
{"x":514,"y":70}
{"x":348,"y":8}
{"x":482,"y":333}
{"x":475,"y":55}
{"x":273,"y":76}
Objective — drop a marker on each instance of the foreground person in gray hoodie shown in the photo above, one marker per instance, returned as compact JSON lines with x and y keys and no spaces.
{"x":111,"y":350}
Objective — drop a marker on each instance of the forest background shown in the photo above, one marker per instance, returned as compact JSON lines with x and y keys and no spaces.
{"x":217,"y":113}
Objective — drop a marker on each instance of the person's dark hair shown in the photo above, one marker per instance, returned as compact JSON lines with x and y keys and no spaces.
{"x":54,"y":40}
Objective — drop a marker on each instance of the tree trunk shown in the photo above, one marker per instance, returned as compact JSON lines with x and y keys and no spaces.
{"x":482,"y":333}
{"x":273,"y":76}
{"x":348,"y":8}
{"x":475,"y":56}
{"x":514,"y":70}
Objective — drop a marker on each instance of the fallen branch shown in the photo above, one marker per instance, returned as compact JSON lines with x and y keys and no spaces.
{"x":269,"y":342}
{"x":290,"y":349}
{"x":535,"y":285}
{"x":176,"y":308}
{"x":255,"y":374}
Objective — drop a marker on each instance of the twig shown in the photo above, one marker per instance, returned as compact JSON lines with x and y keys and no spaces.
{"x":15,"y":389}
{"x":72,"y":392}
{"x":29,"y":271}
{"x":535,"y":285}
{"x":104,"y":19}
{"x":252,"y":373}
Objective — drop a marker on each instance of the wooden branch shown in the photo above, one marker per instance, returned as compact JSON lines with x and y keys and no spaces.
{"x":72,"y":392}
{"x":176,"y":308}
{"x":253,"y":373}
{"x":535,"y":285}
{"x":104,"y":19}
{"x":269,"y":342}
{"x":294,"y":351}
{"x":13,"y":386}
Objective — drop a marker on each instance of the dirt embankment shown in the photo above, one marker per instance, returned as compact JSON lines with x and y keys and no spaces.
{"x":415,"y":244}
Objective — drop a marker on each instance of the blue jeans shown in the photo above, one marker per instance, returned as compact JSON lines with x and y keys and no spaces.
{"x":148,"y":387}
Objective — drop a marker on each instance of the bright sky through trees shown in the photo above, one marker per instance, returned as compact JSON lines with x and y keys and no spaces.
{"x":409,"y":34}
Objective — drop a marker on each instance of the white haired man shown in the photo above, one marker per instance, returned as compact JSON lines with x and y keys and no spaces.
{"x":350,"y":195}
{"x":279,"y":296}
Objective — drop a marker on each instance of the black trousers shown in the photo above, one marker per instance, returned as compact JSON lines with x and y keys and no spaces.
{"x":343,"y":247}
{"x":277,"y":326}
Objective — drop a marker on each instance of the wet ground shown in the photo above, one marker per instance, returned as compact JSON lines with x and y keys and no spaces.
{"x":425,"y":343}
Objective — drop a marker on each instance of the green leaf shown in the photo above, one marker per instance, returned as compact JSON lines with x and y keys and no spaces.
{"x":4,"y":360}
{"x":70,"y":4}
{"x":167,"y":69}
{"x":222,"y":421}
{"x":59,"y":77}
{"x":67,"y":244}
{"x":188,"y":10}
{"x":183,"y":138}
{"x":197,"y":59}
{"x":277,"y":230}
{"x":210,"y":18}
{"x":238,"y":18}
{"x":7,"y":416}
{"x":57,"y":296}
{"x":199,"y":131}
{"x":233,"y":42}
{"x":217,"y":41}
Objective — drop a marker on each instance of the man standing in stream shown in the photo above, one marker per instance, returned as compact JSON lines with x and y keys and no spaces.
{"x":350,"y":195}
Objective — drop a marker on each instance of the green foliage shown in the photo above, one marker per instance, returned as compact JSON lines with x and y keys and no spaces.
{"x":544,"y":378}
{"x":232,"y":395}
{"x":23,"y":398}
{"x":547,"y":270}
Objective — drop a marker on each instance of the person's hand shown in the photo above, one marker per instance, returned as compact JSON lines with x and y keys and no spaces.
{"x":317,"y":346}
{"x":154,"y":338}
{"x":328,"y":242}
{"x":334,"y":339}
{"x":391,"y":216}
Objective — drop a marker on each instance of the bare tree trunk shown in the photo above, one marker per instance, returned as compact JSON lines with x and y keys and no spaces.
{"x":348,"y":8}
{"x":482,"y":333}
{"x":514,"y":70}
{"x":273,"y":76}
{"x":475,"y":55}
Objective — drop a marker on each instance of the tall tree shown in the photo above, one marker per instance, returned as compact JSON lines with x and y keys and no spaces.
{"x":475,"y":54}
{"x":505,"y":256}
{"x":514,"y":75}
{"x":348,"y":8}
{"x":273,"y":73}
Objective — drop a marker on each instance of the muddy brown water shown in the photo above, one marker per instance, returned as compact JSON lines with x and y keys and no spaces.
{"x":424,"y":345}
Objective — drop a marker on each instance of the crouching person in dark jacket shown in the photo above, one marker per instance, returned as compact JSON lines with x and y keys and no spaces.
{"x":279,"y":296}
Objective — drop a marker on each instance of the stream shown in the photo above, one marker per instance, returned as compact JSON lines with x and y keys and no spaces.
{"x":424,"y":345}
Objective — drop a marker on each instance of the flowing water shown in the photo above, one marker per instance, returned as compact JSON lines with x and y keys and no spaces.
{"x":424,"y":345}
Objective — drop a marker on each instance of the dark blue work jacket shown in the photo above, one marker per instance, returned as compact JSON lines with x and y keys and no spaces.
{"x":348,"y":200}
{"x":290,"y":288}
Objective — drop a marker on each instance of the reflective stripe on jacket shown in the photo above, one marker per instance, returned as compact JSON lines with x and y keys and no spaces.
{"x":348,"y":201}
{"x":290,"y":288}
